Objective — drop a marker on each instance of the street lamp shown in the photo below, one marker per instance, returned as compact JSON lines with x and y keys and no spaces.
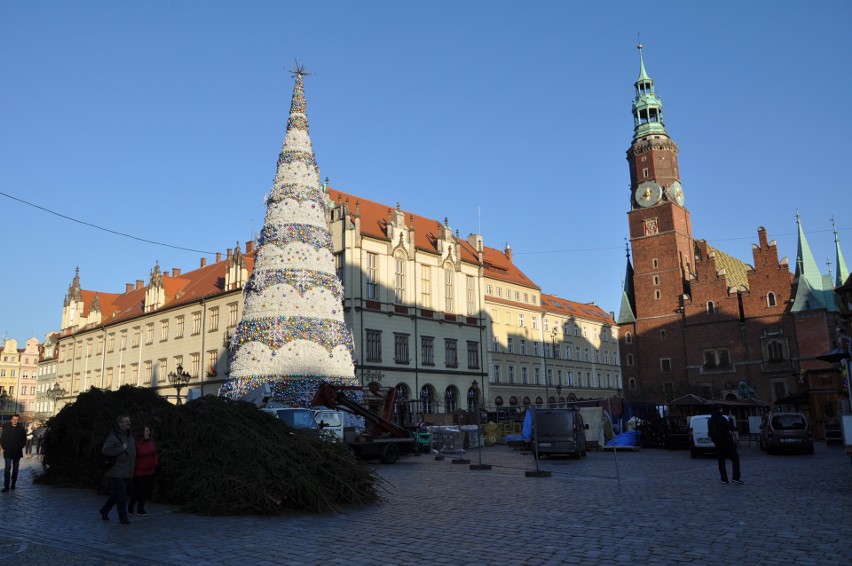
{"x":54,"y":393}
{"x":179,"y":378}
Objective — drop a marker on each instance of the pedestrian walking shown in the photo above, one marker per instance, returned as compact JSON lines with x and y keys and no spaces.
{"x":719,"y":430}
{"x":28,"y":449}
{"x":144,"y":472}
{"x":12,"y":439}
{"x":119,"y":443}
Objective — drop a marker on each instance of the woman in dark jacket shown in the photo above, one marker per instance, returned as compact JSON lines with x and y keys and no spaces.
{"x":120,"y":443}
{"x":143,"y":474}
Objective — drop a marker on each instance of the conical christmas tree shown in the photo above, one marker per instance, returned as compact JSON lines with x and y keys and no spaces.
{"x":292,"y":334}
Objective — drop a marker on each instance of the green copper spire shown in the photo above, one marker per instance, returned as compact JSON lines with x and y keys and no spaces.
{"x":842,"y":271}
{"x":647,"y":106}
{"x":813,"y":290}
{"x":627,"y":313}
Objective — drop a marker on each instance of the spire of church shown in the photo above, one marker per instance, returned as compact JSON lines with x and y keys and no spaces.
{"x":814,"y":291}
{"x":840,"y":264}
{"x":627,"y":312}
{"x":647,"y":106}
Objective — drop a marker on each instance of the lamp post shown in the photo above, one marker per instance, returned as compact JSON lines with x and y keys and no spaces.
{"x":179,"y":378}
{"x":55,"y":393}
{"x":558,"y":394}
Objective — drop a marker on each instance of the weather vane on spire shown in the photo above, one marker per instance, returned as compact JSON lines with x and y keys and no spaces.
{"x":639,"y":41}
{"x":299,"y":70}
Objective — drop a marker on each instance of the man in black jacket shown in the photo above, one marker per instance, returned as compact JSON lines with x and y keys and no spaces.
{"x":12,"y":439}
{"x":719,"y":430}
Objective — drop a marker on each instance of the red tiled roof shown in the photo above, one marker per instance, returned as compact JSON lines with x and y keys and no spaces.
{"x":572,"y":308}
{"x":185,"y":288}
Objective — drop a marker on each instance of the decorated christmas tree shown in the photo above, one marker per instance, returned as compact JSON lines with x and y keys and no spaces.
{"x":292,"y":334}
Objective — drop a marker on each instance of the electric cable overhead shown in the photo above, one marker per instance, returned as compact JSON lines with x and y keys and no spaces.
{"x":117,"y":233}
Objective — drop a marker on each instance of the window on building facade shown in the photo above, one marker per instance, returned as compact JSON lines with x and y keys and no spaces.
{"x":179,"y":325}
{"x":568,"y":355}
{"x":521,"y":322}
{"x":164,"y":330}
{"x":448,"y":288}
{"x":470,"y":292}
{"x":770,"y":299}
{"x":111,"y":342}
{"x":450,"y":399}
{"x":196,"y":323}
{"x":537,"y":375}
{"x":586,"y":355}
{"x":212,"y":362}
{"x":559,"y":377}
{"x":499,"y":291}
{"x":214,"y":319}
{"x":711,"y":307}
{"x":122,"y":340}
{"x":194,"y":364}
{"x":526,"y":297}
{"x":495,"y":344}
{"x":399,"y":278}
{"x":576,"y":330}
{"x":232,"y":315}
{"x":606,"y":357}
{"x":374,"y":345}
{"x":547,"y":350}
{"x":658,"y":294}
{"x":662,"y":334}
{"x":630,"y":359}
{"x":451,"y":353}
{"x":134,"y":374}
{"x":426,"y":286}
{"x":472,"y":354}
{"x":508,"y":318}
{"x":372,"y":275}
{"x":517,"y":295}
{"x":569,"y":377}
{"x":149,"y":333}
{"x":632,"y":383}
{"x":148,"y":374}
{"x":510,"y":345}
{"x":108,"y":384}
{"x":338,"y":265}
{"x":523,"y":345}
{"x":597,"y":356}
{"x":556,"y":350}
{"x":775,"y":351}
{"x":511,"y":374}
{"x":534,"y":299}
{"x":549,"y":376}
{"x":525,"y":375}
{"x":162,"y":369}
{"x":400,"y":348}
{"x":628,"y":338}
{"x":489,"y":290}
{"x":666,"y":365}
{"x":427,"y":350}
{"x":655,"y":263}
{"x":535,"y":347}
{"x":656,"y":279}
{"x":534,"y":323}
{"x":496,"y":373}
{"x":716,"y":359}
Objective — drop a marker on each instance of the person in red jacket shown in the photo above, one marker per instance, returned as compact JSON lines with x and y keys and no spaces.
{"x":143,"y":474}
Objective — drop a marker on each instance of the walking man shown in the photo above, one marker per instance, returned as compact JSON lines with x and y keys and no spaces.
{"x":119,"y":443}
{"x":12,"y":439}
{"x":719,"y":430}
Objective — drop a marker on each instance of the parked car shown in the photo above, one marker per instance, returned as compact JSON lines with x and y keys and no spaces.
{"x":699,"y":436}
{"x":559,"y":431}
{"x":788,"y":432}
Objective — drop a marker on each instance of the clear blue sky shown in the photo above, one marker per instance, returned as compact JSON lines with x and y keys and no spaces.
{"x":164,"y":120}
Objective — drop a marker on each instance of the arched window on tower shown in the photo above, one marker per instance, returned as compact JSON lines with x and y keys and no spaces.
{"x":770,"y":299}
{"x":628,"y":338}
{"x":711,"y":307}
{"x":629,"y":359}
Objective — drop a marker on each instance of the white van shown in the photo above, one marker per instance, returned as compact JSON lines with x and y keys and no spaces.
{"x":699,"y":438}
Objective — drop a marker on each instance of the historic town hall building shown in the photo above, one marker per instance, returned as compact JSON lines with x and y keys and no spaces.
{"x":696,"y":320}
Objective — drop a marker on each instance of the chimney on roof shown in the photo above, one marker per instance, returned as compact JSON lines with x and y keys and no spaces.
{"x":228,"y":253}
{"x":175,"y":272}
{"x":218,"y":257}
{"x":249,"y":247}
{"x":140,"y":284}
{"x":203,"y":262}
{"x":508,"y":252}
{"x":128,"y":287}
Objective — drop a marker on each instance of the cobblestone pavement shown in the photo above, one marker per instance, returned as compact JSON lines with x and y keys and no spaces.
{"x":666,"y":509}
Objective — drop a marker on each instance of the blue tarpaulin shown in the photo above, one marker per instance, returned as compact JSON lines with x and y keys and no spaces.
{"x":629,"y":438}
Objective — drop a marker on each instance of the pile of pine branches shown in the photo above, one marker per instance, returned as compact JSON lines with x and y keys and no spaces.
{"x":217,"y":456}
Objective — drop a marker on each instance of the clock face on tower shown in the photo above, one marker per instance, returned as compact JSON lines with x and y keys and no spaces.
{"x":675,"y":193}
{"x":648,"y":194}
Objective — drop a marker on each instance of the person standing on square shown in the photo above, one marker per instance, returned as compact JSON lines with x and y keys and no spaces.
{"x":12,"y":439}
